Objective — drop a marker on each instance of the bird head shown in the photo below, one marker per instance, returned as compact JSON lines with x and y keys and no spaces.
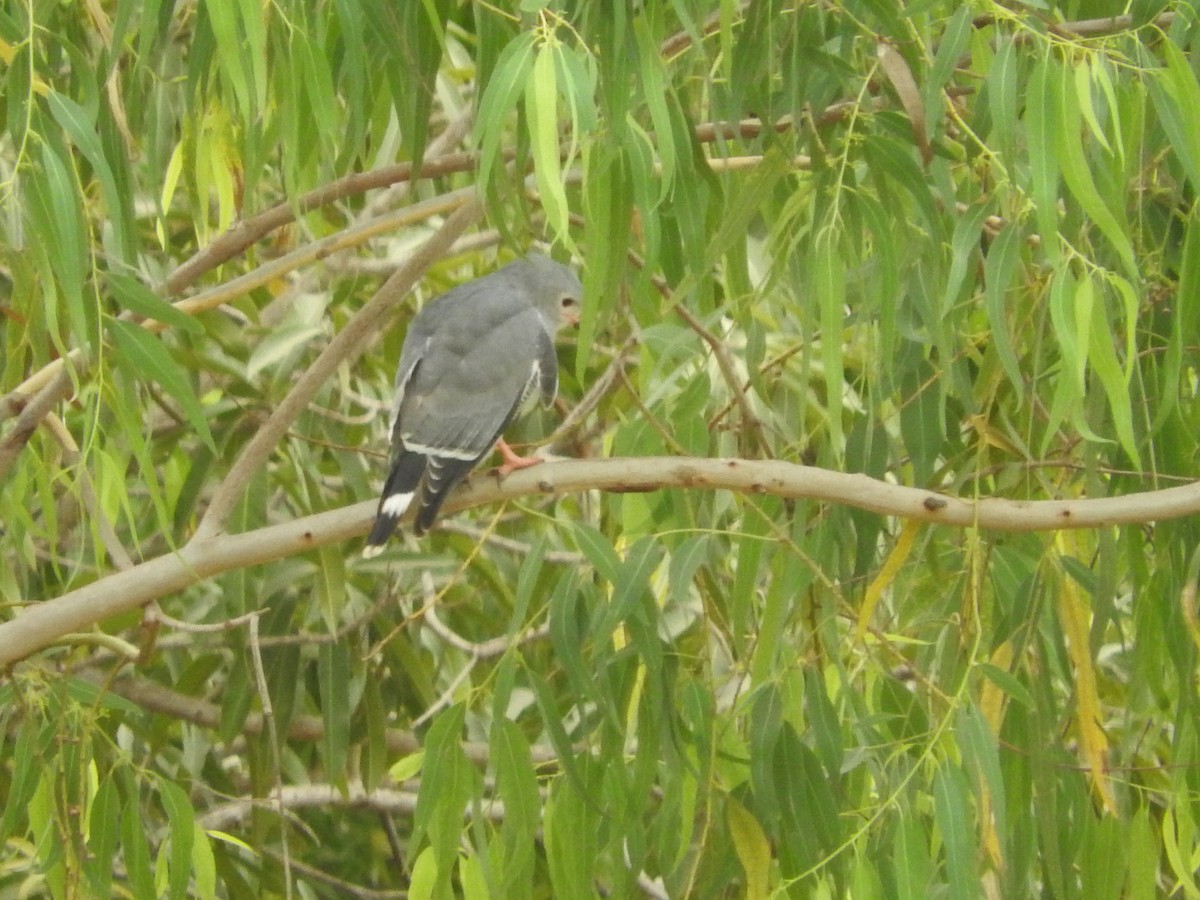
{"x":557,"y":290}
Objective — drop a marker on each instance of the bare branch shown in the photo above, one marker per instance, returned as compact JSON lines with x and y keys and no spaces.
{"x":234,"y":241}
{"x":32,"y":411}
{"x":43,"y":623}
{"x":157,"y":699}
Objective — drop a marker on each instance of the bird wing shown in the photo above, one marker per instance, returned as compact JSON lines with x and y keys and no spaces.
{"x":470,"y":380}
{"x":545,"y":368}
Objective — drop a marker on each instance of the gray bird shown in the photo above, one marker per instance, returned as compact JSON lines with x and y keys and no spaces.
{"x":470,"y":360}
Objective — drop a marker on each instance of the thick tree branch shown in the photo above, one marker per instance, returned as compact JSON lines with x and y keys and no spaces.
{"x":43,"y":623}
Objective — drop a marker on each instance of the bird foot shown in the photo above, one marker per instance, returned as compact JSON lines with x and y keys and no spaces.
{"x":512,"y":459}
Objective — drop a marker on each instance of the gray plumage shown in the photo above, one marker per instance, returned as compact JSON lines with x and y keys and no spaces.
{"x":470,"y":360}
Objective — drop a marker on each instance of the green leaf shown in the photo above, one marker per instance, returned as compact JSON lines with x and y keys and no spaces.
{"x":182,"y":829}
{"x":55,"y":208}
{"x":910,"y":858}
{"x":135,"y":851}
{"x":599,"y":551}
{"x":1103,"y":357}
{"x":28,"y":747}
{"x":81,"y":129}
{"x":204,"y":865}
{"x":654,"y":89}
{"x":571,"y":841}
{"x":331,"y":580}
{"x":233,"y":51}
{"x":541,"y":112}
{"x":958,"y":845}
{"x":829,"y":285}
{"x":1176,"y":96}
{"x":1078,"y":176}
{"x":516,"y":782}
{"x":1042,"y":123}
{"x":504,"y":88}
{"x":144,"y":356}
{"x":425,"y":877}
{"x":136,"y":297}
{"x":1002,"y":90}
{"x":447,"y":784}
{"x":999,"y":269}
{"x":103,"y":838}
{"x":333,"y":671}
{"x":1007,"y":682}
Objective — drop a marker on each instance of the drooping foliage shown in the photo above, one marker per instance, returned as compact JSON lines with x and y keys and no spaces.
{"x":945,"y":245}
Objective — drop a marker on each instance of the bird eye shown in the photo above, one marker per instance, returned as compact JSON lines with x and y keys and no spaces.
{"x":567,"y":301}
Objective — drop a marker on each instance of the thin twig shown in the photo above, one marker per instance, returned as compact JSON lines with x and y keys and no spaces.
{"x":157,"y":615}
{"x":478,"y":650}
{"x":557,"y":557}
{"x":728,"y":372}
{"x":600,"y":388}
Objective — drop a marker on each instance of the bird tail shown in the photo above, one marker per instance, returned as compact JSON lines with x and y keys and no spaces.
{"x":397,"y":494}
{"x":444,"y":473}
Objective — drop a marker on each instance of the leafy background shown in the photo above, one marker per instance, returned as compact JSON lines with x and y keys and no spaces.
{"x":947,"y":245}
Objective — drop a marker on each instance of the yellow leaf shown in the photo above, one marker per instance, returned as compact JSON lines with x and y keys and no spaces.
{"x":1075,"y":616}
{"x":991,"y":697}
{"x":991,"y":704}
{"x":170,"y":183}
{"x":753,"y":849}
{"x":887,"y":575}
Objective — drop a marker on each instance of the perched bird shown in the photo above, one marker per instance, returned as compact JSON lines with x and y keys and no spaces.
{"x":470,"y":360}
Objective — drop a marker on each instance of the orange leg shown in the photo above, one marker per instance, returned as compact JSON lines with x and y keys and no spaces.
{"x":513,"y":460}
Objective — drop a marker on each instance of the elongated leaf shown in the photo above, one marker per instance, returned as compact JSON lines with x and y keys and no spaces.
{"x":1093,"y":742}
{"x":447,"y":783}
{"x":144,"y":356}
{"x":910,"y":859}
{"x":1108,"y":369}
{"x":1176,"y":96}
{"x":753,"y":849}
{"x":1078,"y":176}
{"x":516,"y":782}
{"x":135,"y":296}
{"x":135,"y":851}
{"x":234,"y":52}
{"x":829,"y":283}
{"x":504,"y":88}
{"x":81,"y":129}
{"x":1000,"y":267}
{"x":1042,"y":123}
{"x":182,"y":821}
{"x":541,"y":111}
{"x":951,"y":812}
{"x":333,"y":670}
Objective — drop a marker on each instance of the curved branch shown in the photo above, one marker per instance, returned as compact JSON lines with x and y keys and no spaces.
{"x":242,"y":234}
{"x":43,"y":623}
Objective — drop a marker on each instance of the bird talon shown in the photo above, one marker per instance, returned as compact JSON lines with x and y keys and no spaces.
{"x":513,"y":460}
